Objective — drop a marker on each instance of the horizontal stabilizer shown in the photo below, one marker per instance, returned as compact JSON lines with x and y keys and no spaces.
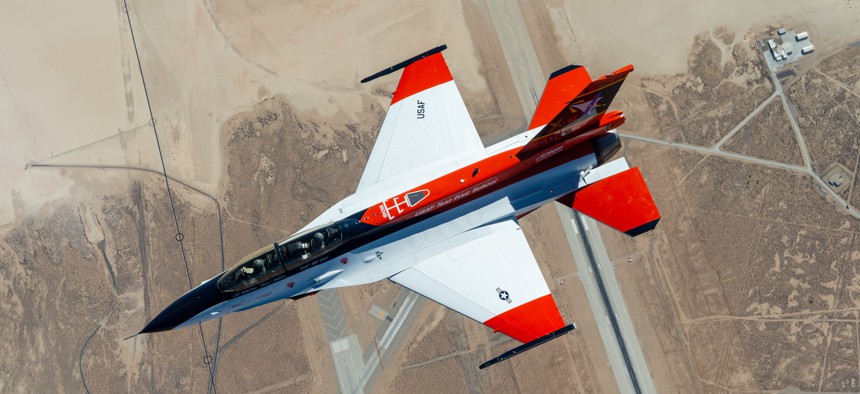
{"x":621,"y":201}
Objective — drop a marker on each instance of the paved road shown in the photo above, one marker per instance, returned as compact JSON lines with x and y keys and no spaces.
{"x":345,"y":349}
{"x":617,"y":333}
{"x":716,"y":152}
{"x":334,"y":322}
{"x":586,"y":267}
{"x":806,"y":169}
{"x":519,"y":52}
{"x":610,"y":290}
{"x":778,"y":91}
{"x":381,"y":351}
{"x":357,"y":370}
{"x":746,"y":120}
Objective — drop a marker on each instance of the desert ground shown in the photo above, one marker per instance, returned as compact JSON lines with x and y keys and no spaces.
{"x":115,"y":199}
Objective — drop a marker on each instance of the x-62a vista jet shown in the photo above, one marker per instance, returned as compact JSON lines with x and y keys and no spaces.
{"x":436,"y":211}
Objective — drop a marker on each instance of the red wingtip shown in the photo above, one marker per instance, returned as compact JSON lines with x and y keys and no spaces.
{"x":529,"y":321}
{"x":422,"y":75}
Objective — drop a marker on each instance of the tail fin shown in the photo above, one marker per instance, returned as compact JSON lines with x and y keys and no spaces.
{"x":586,"y":112}
{"x":562,"y":85}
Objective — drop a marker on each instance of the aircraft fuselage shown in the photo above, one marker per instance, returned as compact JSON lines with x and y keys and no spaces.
{"x":341,"y":249}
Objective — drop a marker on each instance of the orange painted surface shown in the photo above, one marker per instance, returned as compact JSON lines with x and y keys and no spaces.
{"x":449,"y":190}
{"x":558,"y":92}
{"x":580,"y":114}
{"x":422,"y":75}
{"x":621,"y":201}
{"x":612,"y":120}
{"x":529,"y":321}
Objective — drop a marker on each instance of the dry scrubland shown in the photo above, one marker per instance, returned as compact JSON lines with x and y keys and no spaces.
{"x":768,"y":136}
{"x":749,"y":283}
{"x":724,"y":83}
{"x":828,"y":106}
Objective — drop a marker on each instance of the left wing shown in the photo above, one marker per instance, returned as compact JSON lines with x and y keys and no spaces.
{"x":490,"y":275}
{"x":427,"y":122}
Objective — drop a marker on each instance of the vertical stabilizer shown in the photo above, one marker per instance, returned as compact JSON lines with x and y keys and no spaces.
{"x":585,"y":113}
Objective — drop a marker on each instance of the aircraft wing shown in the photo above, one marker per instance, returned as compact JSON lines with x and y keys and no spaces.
{"x":427,"y":122}
{"x":490,"y":275}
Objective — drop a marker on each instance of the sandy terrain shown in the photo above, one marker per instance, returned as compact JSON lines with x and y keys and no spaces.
{"x":656,"y":36}
{"x":748,"y":284}
{"x":732,"y":292}
{"x":68,"y":83}
{"x":827,"y":102}
{"x":280,"y":90}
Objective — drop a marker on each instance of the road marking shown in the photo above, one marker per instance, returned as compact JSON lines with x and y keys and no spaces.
{"x":398,"y":321}
{"x":390,"y":333}
{"x":347,"y":357}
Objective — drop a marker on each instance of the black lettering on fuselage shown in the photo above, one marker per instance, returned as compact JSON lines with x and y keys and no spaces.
{"x":420,"y":114}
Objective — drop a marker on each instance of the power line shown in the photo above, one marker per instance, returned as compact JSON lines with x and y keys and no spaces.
{"x":179,"y":236}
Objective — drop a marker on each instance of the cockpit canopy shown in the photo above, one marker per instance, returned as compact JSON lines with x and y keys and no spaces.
{"x":284,"y":256}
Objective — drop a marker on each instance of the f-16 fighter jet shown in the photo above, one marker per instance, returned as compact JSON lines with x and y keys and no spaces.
{"x":437,"y":212}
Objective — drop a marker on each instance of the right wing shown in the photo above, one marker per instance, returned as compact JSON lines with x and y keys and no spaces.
{"x":490,"y":275}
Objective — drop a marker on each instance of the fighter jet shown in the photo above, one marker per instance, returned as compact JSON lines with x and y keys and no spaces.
{"x":437,"y":212}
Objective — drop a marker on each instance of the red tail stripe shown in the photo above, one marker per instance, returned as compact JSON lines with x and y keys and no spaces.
{"x":558,"y":92}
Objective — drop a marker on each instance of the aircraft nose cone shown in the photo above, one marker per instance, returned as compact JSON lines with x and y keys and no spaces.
{"x":185,"y":308}
{"x":158,"y":324}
